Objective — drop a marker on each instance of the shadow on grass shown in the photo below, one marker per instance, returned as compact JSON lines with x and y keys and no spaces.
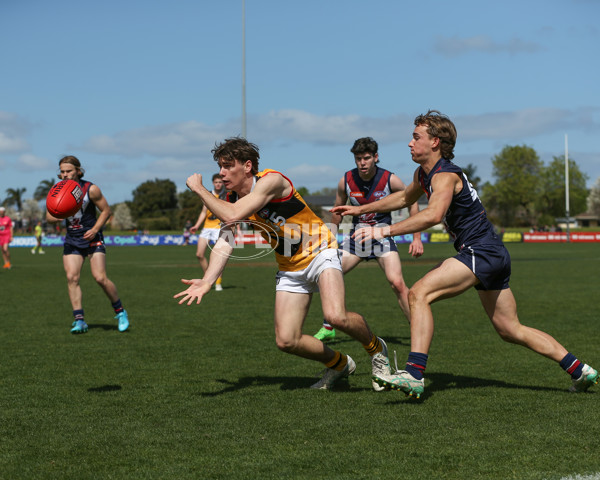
{"x":286,"y":383}
{"x":435,"y":382}
{"x":444,"y":381}
{"x":102,"y":326}
{"x":105,"y":388}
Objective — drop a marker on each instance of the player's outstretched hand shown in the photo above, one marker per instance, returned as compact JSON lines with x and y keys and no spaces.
{"x":344,"y":210}
{"x":416,"y":248}
{"x":197,"y":289}
{"x":363,"y":234}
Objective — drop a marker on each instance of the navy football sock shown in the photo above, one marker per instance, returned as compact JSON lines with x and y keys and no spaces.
{"x":117,"y":306}
{"x":416,"y":364}
{"x":78,"y":314}
{"x":571,"y":365}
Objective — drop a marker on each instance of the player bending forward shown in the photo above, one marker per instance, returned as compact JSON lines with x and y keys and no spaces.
{"x":306,"y":252}
{"x":482,"y":261}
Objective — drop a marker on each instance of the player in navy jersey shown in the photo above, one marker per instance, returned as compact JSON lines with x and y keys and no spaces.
{"x":365,"y":184}
{"x":482,"y":260}
{"x":84,"y":239}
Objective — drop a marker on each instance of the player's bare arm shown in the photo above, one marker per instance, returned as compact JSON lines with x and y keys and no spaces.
{"x":340,"y":199}
{"x":218,"y":259}
{"x":416,"y":246}
{"x":51,"y":218}
{"x":201,"y":219}
{"x":266,"y":189}
{"x":101,"y":204}
{"x":443,"y":186}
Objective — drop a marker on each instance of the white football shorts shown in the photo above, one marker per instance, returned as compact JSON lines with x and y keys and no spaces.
{"x":211,"y":234}
{"x":306,"y":280}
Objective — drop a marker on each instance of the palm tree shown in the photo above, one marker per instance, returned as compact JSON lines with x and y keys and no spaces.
{"x":41,"y":192}
{"x":14,"y":196}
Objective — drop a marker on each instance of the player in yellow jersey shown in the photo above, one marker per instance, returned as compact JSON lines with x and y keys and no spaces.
{"x":38,"y":233}
{"x":306,"y":253}
{"x":212,"y":226}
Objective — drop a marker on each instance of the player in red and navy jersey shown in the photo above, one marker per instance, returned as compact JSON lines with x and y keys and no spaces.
{"x":306,"y":252}
{"x":84,"y":239}
{"x":482,"y":260}
{"x":365,"y":184}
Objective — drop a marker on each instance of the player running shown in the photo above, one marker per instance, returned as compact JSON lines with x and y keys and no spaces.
{"x":306,"y":252}
{"x":365,"y":184}
{"x":482,"y":260}
{"x":84,"y":239}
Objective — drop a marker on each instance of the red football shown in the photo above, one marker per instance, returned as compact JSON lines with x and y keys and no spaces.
{"x":64,"y":199}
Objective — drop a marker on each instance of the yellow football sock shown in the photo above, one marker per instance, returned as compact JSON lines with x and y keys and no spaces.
{"x":219,"y":280}
{"x":339,"y":361}
{"x":374,"y":346}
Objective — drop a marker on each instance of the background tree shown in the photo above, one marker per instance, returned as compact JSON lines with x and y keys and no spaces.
{"x":303,"y":191}
{"x":153,"y":198}
{"x":154,"y":205}
{"x":511,"y":199}
{"x":41,"y":192}
{"x":326,"y":191}
{"x":121,"y":218}
{"x":551,"y":200}
{"x":593,"y":201}
{"x":190,"y":206}
{"x":31,"y":213}
{"x":14,"y":196}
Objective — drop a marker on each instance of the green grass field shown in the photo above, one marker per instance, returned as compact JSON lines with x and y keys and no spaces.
{"x":201,"y":392}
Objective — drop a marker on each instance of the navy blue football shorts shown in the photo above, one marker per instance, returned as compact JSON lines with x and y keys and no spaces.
{"x":96,"y":246}
{"x":489,"y":263}
{"x":370,"y":249}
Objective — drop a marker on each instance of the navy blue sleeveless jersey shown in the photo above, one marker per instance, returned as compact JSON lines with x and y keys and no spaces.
{"x":361,"y":192}
{"x":466,"y":219}
{"x":82,"y":221}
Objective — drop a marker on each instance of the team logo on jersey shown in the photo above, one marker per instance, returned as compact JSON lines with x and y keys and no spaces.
{"x":77,"y":193}
{"x":379,"y":195}
{"x":368,"y":218}
{"x":357,"y":194}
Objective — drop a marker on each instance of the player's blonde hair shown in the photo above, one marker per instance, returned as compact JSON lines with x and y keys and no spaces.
{"x":73,"y":161}
{"x":440,"y":126}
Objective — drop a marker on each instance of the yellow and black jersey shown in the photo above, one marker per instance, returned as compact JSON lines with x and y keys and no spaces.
{"x":211,"y":221}
{"x":294,"y":231}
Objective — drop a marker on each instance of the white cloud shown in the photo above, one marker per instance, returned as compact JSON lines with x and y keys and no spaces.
{"x":455,"y":46}
{"x":182,"y":139}
{"x":183,"y":145}
{"x":315,"y":176}
{"x":526,"y":123}
{"x":13,"y":133}
{"x":28,"y":163}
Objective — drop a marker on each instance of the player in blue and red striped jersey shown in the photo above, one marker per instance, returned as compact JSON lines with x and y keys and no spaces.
{"x":365,"y":184}
{"x":482,"y":260}
{"x":84,"y":239}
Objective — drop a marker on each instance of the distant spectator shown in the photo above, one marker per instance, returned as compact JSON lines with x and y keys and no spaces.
{"x":6,"y":236}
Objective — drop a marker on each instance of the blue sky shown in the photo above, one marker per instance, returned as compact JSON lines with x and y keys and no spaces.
{"x":140,"y":90}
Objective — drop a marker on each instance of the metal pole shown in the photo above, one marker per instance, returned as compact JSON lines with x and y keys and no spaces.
{"x":567,"y":188}
{"x":244,"y":68}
